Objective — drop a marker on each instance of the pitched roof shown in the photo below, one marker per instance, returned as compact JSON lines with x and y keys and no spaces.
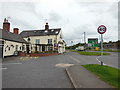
{"x":40,"y":32}
{"x":11,"y":36}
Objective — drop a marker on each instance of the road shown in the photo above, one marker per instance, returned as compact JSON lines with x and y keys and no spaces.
{"x":45,"y":72}
{"x":110,"y":60}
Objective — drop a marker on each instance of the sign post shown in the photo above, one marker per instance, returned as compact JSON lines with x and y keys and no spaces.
{"x":101,"y":30}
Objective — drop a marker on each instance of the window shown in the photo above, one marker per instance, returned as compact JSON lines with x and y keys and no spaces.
{"x":37,"y":41}
{"x":9,"y":48}
{"x":50,"y":48}
{"x":16,"y":47}
{"x":61,"y":36}
{"x":23,"y":47}
{"x":20,"y":47}
{"x":49,"y":41}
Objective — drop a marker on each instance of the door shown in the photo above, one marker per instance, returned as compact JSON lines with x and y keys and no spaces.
{"x":27,"y":49}
{"x":43,"y":48}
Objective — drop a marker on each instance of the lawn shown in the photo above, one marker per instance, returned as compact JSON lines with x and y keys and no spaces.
{"x":90,"y":53}
{"x":106,"y":73}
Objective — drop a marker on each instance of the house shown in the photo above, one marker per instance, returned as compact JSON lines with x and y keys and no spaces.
{"x":30,"y":41}
{"x":44,"y":40}
{"x":10,"y":42}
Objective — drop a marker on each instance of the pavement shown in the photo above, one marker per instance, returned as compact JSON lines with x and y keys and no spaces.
{"x":82,"y":78}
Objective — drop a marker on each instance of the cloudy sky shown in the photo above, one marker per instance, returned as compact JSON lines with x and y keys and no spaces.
{"x":74,"y":17}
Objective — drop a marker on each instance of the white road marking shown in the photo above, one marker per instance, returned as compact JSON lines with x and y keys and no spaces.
{"x":7,"y":64}
{"x":3,"y":68}
{"x":10,"y":63}
{"x":63,"y":65}
{"x":74,"y":59}
{"x":104,"y":63}
{"x":97,"y":58}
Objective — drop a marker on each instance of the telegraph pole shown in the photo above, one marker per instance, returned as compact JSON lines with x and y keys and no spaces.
{"x":84,"y":40}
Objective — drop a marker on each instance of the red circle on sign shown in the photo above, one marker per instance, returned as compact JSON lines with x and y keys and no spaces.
{"x":102,"y":29}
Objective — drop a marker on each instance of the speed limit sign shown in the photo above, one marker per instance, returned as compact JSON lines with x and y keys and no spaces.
{"x":102,"y":29}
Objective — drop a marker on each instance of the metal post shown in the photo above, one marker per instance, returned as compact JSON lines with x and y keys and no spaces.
{"x":84,"y":38}
{"x":101,"y":44}
{"x":101,"y":63}
{"x":84,"y":41}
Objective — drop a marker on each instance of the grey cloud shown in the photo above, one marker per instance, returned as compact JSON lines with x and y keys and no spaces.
{"x":88,"y":28}
{"x":74,"y":19}
{"x":54,"y":16}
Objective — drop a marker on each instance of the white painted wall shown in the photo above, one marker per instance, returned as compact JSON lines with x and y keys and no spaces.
{"x":44,"y":40}
{"x":12,"y":46}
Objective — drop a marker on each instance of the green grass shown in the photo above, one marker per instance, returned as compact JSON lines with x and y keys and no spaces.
{"x":90,"y":53}
{"x":110,"y":50}
{"x":106,"y":73}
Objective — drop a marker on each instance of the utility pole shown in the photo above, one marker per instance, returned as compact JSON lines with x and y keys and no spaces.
{"x":84,"y":40}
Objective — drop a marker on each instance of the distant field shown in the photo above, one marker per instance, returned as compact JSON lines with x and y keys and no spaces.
{"x":90,"y":53}
{"x":106,"y":73}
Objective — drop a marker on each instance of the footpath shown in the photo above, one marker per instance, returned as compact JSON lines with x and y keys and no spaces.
{"x":82,"y":78}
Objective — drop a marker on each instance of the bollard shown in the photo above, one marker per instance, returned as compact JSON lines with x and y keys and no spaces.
{"x":101,"y":63}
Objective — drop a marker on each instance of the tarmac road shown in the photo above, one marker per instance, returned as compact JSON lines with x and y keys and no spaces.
{"x":110,"y":60}
{"x":44,"y":72}
{"x":39,"y":72}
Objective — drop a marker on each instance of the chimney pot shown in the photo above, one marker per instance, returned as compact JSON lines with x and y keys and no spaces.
{"x":6,"y":25}
{"x":46,"y":26}
{"x":16,"y":30}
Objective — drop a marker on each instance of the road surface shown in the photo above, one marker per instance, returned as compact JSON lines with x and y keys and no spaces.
{"x":45,"y":72}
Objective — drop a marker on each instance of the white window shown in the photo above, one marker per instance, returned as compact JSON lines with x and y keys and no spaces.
{"x":49,"y":41}
{"x":37,"y":41}
{"x":61,"y":36}
{"x":16,"y":47}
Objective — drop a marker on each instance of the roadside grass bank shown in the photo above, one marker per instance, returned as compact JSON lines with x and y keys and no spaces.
{"x":108,"y":74}
{"x":90,"y":53}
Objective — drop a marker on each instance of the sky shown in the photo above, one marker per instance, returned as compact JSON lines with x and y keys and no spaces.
{"x":74,"y":17}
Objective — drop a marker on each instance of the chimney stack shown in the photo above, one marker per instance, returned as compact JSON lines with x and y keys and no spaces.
{"x":16,"y":30}
{"x":46,"y":26}
{"x":6,"y":25}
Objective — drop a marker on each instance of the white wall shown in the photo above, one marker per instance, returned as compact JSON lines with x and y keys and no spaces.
{"x":12,"y":46}
{"x":44,"y":40}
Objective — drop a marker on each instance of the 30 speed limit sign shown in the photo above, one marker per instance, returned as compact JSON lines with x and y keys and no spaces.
{"x":102,"y":29}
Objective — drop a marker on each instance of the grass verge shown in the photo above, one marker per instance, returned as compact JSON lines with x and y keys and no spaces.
{"x":90,"y":53}
{"x":109,"y":50}
{"x":106,"y":73}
